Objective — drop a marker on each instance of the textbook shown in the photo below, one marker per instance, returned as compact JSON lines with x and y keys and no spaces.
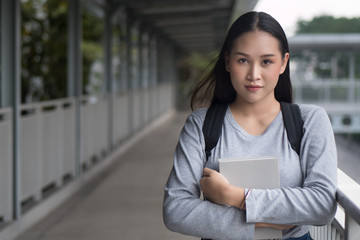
{"x":253,"y":173}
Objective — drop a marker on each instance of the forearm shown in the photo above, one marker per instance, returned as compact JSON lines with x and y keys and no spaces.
{"x":221,"y":192}
{"x":231,"y":196}
{"x":236,"y":197}
{"x":290,"y":206}
{"x":193,"y":216}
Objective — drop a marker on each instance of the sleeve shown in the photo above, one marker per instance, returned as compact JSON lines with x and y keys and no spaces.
{"x":314,"y":203}
{"x":183,"y":210}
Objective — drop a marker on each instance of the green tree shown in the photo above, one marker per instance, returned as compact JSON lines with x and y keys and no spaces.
{"x":329,"y":24}
{"x":192,"y":68}
{"x":92,"y":50}
{"x":44,"y":49}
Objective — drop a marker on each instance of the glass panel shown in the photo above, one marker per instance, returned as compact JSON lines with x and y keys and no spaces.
{"x":115,"y":57}
{"x":339,"y":94}
{"x":311,"y":94}
{"x":119,"y":55}
{"x":44,"y":49}
{"x":92,"y":49}
{"x":343,"y":63}
{"x":124,"y":58}
{"x":134,"y":58}
{"x":0,"y":61}
{"x":323,"y":66}
{"x":145,"y":61}
{"x":357,"y":67}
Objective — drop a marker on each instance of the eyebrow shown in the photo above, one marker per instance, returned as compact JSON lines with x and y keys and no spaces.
{"x":246,"y":55}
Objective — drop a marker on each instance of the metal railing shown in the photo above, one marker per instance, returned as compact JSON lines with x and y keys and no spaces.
{"x":340,"y":98}
{"x":6,"y":141}
{"x":346,"y":225}
{"x":48,"y":139}
{"x":327,"y":91}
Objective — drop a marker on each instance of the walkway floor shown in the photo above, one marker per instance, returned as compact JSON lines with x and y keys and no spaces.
{"x":125,"y":202}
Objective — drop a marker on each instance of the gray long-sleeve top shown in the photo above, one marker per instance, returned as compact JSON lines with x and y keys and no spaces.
{"x":307,"y":185}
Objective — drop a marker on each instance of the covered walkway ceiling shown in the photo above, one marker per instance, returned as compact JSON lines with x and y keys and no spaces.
{"x":194,"y":25}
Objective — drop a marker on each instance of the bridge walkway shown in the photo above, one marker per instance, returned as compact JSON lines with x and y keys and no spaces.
{"x":125,"y":200}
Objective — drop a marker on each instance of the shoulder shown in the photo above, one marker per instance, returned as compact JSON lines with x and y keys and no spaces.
{"x":192,"y":130}
{"x":194,"y":122}
{"x":315,"y":118}
{"x":309,"y":111}
{"x":197,"y":117}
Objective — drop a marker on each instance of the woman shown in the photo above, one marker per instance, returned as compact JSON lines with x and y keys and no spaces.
{"x":252,"y":75}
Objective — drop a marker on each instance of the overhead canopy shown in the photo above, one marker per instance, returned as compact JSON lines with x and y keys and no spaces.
{"x":193,"y":25}
{"x":333,"y":42}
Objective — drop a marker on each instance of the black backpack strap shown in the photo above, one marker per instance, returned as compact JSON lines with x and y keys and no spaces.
{"x":293,"y":124}
{"x":213,"y":123}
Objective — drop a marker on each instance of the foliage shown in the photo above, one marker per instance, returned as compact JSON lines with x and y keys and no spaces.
{"x":44,"y":30}
{"x":329,"y":24}
{"x":44,"y":49}
{"x":92,"y":52}
{"x":192,"y":68}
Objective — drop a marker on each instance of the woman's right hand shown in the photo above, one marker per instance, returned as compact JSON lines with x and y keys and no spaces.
{"x":218,"y":190}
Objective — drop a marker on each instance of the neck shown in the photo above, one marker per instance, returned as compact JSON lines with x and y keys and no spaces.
{"x":266,"y":107}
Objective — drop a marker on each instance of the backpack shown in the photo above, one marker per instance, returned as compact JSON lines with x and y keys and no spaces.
{"x":214,"y":120}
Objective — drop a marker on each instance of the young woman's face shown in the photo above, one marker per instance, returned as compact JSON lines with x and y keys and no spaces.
{"x":255,"y":63}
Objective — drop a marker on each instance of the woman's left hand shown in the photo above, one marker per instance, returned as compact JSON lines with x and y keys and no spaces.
{"x":218,"y":190}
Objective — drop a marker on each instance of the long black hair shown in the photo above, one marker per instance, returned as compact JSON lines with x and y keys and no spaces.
{"x":217,"y":84}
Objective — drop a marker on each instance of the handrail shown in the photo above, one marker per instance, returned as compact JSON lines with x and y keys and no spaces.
{"x":348,"y":195}
{"x":327,"y":90}
{"x":346,"y":224}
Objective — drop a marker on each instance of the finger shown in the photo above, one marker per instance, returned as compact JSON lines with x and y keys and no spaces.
{"x":203,"y":183}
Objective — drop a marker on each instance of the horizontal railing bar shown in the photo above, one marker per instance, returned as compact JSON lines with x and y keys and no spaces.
{"x":349,"y":206}
{"x":330,"y":81}
{"x":348,"y":195}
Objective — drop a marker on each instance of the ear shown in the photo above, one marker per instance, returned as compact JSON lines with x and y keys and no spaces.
{"x":284,"y":62}
{"x":227,"y":65}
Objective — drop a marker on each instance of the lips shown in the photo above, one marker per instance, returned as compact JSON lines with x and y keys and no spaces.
{"x":253,"y":88}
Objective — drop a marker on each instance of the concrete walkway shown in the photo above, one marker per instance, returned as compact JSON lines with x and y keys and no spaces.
{"x":125,"y":201}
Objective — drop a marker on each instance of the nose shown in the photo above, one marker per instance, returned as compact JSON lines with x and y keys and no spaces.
{"x":254,"y":72}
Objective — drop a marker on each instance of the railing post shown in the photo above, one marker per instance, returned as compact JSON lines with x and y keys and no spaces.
{"x":352,"y":228}
{"x":108,"y":76}
{"x":74,"y":73}
{"x":11,"y":87}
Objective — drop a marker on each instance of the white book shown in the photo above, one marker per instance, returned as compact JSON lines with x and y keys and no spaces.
{"x":253,"y":173}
